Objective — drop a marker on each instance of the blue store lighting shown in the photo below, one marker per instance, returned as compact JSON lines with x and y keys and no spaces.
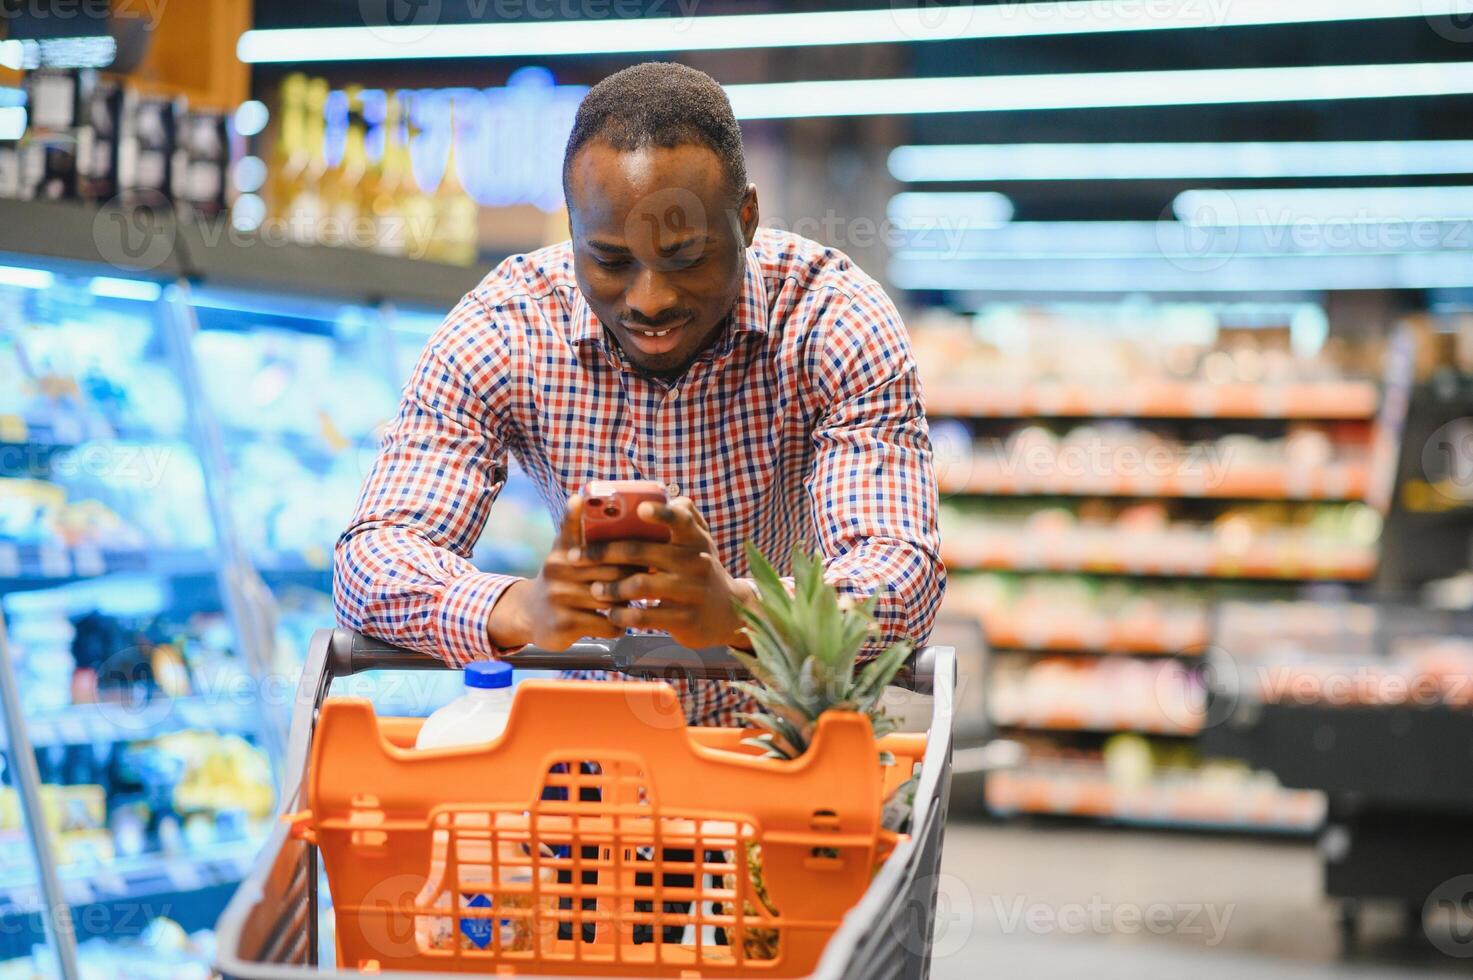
{"x":137,"y":289}
{"x":1342,"y":204}
{"x":1097,"y":90}
{"x":895,"y":24}
{"x":916,"y":209}
{"x":1179,"y":161}
{"x":26,"y":278}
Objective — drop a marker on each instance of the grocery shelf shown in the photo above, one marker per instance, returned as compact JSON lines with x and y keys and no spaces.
{"x":83,"y":883}
{"x":1066,"y":635}
{"x":16,"y":430}
{"x":1292,"y":557}
{"x":1060,"y":722}
{"x":29,"y":567}
{"x":1083,"y":790}
{"x":182,"y":247}
{"x":54,"y":565}
{"x":1333,"y":481}
{"x":1317,"y":400}
{"x":92,"y":724}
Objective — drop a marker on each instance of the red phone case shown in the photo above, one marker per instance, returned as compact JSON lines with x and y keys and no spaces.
{"x":610,"y":511}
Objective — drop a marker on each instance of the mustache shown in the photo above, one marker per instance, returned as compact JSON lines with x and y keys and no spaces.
{"x":664,"y":320}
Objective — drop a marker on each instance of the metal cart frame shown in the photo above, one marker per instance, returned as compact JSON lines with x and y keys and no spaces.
{"x":269,"y":930}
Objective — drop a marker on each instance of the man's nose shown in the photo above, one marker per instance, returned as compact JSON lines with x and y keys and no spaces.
{"x":650,"y":295}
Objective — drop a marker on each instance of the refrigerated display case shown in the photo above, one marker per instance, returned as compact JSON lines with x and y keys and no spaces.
{"x":131,"y":726}
{"x":184,"y":426}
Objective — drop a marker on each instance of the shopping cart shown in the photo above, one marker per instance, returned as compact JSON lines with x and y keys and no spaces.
{"x":270,"y":929}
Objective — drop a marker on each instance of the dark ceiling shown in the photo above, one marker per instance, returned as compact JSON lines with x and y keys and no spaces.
{"x":1413,"y":39}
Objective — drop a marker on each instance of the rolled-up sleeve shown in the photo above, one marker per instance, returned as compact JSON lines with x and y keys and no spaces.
{"x":402,"y":569}
{"x":872,"y":488}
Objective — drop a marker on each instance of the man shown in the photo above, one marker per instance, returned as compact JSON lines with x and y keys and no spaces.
{"x":763,"y":378}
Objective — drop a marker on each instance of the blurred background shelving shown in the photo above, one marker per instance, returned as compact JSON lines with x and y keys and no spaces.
{"x":1111,"y":471}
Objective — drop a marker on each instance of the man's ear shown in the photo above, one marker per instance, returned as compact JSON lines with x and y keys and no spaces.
{"x":749,"y":214}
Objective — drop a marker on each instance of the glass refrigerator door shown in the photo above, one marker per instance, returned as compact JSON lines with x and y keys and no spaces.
{"x":142,"y":719}
{"x":301,"y":390}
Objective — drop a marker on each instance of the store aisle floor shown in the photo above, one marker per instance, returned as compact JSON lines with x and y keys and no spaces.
{"x":1052,"y":903}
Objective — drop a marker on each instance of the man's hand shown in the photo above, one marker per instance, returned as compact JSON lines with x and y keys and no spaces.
{"x":557,"y":608}
{"x":694,"y":590}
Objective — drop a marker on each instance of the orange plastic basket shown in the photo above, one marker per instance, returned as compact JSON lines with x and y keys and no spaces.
{"x":599,"y":836}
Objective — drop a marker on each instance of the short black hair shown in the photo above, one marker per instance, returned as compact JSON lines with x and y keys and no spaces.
{"x":659,"y":103}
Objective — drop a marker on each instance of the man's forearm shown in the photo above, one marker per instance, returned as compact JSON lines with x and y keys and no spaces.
{"x":510,"y":627}
{"x":392,"y":584}
{"x":907,"y":580}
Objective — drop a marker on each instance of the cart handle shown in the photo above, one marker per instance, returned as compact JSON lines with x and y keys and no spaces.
{"x":647,"y":656}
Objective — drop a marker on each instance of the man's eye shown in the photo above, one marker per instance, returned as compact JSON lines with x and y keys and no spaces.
{"x":687,"y":261}
{"x":610,"y":263}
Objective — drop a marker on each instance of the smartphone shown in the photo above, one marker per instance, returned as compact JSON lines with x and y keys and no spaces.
{"x":610,"y":511}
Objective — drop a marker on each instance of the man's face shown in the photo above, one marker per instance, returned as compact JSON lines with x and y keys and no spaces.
{"x":659,"y":247}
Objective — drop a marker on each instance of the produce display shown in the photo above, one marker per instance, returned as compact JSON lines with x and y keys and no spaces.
{"x":1082,"y":613}
{"x":1136,"y":780}
{"x":1112,"y":471}
{"x":1106,"y":694}
{"x":1250,"y":540}
{"x":1307,"y":460}
{"x":1016,"y":346}
{"x":1345,"y":654}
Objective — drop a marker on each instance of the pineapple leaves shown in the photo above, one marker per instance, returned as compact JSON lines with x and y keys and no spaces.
{"x":805,"y":648}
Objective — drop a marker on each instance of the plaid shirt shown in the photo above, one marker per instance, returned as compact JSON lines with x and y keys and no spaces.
{"x":802,"y":423}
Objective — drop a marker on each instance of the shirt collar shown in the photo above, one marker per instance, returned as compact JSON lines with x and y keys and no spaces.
{"x":748,"y":315}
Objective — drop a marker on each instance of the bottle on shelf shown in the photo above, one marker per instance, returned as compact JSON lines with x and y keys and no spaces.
{"x":401,"y":214}
{"x":342,"y":183}
{"x":289,"y":156}
{"x":305,"y":211}
{"x":456,"y":214}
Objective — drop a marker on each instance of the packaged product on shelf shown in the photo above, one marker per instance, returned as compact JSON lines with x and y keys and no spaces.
{"x":98,"y":140}
{"x":147,"y":147}
{"x":201,"y":163}
{"x":48,"y":157}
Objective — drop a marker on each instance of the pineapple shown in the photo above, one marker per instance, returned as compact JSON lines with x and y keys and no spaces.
{"x":805,"y":648}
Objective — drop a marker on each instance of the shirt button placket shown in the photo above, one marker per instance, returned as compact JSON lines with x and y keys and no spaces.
{"x":672,"y":488}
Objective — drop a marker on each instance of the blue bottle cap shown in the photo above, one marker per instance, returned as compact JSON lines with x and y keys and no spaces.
{"x":488,"y":673}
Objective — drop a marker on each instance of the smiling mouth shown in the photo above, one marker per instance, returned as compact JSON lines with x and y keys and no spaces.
{"x":654,"y":331}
